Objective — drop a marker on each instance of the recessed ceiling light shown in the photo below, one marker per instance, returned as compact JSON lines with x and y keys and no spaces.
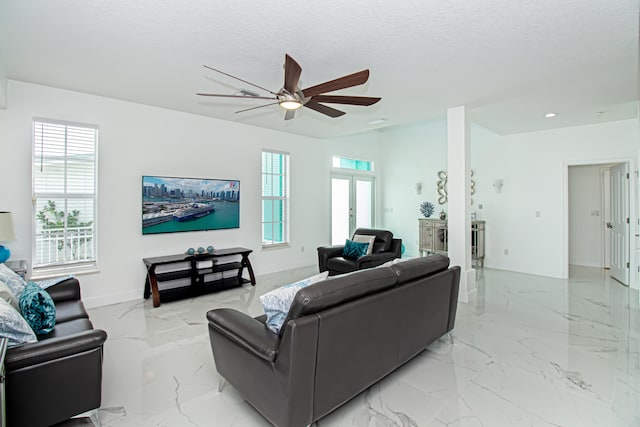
{"x":376,"y":121}
{"x":550,"y":115}
{"x":599,"y":113}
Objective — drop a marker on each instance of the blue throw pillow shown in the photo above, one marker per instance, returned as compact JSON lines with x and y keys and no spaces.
{"x":276,"y":303}
{"x":38,"y":309}
{"x":354,"y":250}
{"x":13,"y":326}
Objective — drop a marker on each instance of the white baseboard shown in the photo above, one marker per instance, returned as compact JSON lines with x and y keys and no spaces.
{"x":587,"y":264}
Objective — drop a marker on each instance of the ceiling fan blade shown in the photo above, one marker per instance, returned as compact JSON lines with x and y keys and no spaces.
{"x":352,"y":100}
{"x":344,"y":82}
{"x":254,"y":108}
{"x":327,"y":111}
{"x":237,"y":78}
{"x":236,"y":96}
{"x":290,"y":114}
{"x":291,"y":74}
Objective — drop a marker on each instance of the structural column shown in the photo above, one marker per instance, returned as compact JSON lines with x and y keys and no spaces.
{"x":459,"y":197}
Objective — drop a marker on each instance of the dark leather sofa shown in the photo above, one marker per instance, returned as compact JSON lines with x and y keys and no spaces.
{"x":385,"y":248}
{"x":59,"y":376}
{"x":341,"y":336}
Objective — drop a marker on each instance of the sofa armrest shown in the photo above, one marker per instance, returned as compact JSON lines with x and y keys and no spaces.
{"x":245,"y":331}
{"x":326,"y":252}
{"x":54,"y":348}
{"x":67,"y":290}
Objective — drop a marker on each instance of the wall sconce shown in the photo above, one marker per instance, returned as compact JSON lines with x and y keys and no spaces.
{"x":418,"y":187}
{"x":497,"y":185}
{"x":6,"y":233}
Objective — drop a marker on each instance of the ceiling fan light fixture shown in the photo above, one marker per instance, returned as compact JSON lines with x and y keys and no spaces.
{"x":290,"y":104}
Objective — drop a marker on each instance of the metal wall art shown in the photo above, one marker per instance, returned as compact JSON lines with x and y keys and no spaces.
{"x":442,"y":188}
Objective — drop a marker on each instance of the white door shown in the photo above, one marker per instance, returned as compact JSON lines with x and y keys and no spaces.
{"x":606,"y":216}
{"x":351,"y":205}
{"x":620,"y":223}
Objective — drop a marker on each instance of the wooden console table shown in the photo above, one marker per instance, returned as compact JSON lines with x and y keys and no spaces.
{"x":199,"y":283}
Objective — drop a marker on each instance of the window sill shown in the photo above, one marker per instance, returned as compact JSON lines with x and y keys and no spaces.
{"x":49,"y":273}
{"x":275,"y":247}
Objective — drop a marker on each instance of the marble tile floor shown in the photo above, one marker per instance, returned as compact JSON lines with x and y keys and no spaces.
{"x":526,"y":351}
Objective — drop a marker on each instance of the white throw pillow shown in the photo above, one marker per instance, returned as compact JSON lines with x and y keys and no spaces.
{"x":12,"y":280}
{"x":14,"y":327}
{"x":276,"y":303}
{"x":395,"y":261}
{"x":8,"y":296}
{"x":363,"y":238}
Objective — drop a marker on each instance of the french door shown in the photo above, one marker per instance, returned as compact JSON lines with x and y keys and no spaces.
{"x":351,"y":205}
{"x":620,"y":223}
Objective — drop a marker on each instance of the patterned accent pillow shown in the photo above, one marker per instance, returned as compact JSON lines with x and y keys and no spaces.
{"x":14,"y":327}
{"x":38,"y":309}
{"x":364,"y":238}
{"x":276,"y":303}
{"x":12,"y":280}
{"x":354,"y":250}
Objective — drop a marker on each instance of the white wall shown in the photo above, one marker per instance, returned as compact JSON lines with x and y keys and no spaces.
{"x":412,"y":154}
{"x":138,"y":140}
{"x":585,"y":216}
{"x":532,"y":166}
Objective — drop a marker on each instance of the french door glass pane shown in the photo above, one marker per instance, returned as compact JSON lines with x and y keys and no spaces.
{"x":339,"y":210}
{"x":363,"y":204}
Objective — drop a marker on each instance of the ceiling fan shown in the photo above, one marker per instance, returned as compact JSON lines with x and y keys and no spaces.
{"x":291,"y":97}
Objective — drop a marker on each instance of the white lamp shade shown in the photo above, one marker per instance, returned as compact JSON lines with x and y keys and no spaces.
{"x":6,"y":227}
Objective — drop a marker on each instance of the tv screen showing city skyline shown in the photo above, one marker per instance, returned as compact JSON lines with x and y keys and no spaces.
{"x":171,"y":205}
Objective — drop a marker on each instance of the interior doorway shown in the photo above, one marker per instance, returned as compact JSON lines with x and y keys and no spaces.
{"x":599,"y":217}
{"x":352,"y":205}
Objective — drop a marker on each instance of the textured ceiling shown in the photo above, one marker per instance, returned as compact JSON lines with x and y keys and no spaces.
{"x":509,"y":61}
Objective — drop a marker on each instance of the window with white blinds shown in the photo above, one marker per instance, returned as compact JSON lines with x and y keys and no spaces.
{"x":64,"y":196}
{"x":275,"y":198}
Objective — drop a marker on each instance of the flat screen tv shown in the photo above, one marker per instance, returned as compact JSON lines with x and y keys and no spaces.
{"x":171,"y":205}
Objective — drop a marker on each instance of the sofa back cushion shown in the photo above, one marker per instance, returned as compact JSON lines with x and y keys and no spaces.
{"x":383,"y":239}
{"x":418,"y":267}
{"x":339,"y":290}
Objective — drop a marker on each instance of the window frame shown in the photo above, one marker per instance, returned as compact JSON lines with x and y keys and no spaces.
{"x":53,"y":269}
{"x":285,"y":198}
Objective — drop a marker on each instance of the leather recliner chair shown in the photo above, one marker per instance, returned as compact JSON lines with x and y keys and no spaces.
{"x":385,"y":248}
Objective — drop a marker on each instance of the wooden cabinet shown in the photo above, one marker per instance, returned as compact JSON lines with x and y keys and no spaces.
{"x":434,"y":238}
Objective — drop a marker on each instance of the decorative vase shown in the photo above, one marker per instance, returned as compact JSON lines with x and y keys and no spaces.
{"x":210,"y":249}
{"x":443,"y":215}
{"x":191,"y":251}
{"x":200,"y":250}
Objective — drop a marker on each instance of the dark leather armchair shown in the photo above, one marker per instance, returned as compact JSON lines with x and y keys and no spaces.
{"x":385,"y":248}
{"x":59,"y":376}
